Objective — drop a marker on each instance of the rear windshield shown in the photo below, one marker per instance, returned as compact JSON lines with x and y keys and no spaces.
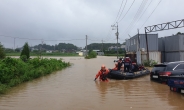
{"x":159,"y":68}
{"x":171,"y":66}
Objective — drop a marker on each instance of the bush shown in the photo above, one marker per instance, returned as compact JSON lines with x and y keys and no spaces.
{"x":23,"y":58}
{"x":149,"y":63}
{"x":15,"y":71}
{"x":91,"y":54}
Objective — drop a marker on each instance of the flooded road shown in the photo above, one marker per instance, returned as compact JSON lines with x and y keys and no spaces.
{"x":73,"y":88}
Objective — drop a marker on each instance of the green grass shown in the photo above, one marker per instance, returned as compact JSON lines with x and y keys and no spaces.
{"x":114,"y":55}
{"x":15,"y":71}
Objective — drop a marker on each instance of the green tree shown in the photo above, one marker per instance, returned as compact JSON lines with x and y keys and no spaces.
{"x":25,"y":50}
{"x":2,"y":53}
{"x":17,"y":50}
{"x":179,"y":33}
{"x":91,"y":54}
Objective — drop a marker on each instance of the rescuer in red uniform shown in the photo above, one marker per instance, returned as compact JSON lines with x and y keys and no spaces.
{"x":127,"y":64}
{"x":102,"y":74}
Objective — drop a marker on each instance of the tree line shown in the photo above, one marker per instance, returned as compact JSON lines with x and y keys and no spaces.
{"x":102,"y":47}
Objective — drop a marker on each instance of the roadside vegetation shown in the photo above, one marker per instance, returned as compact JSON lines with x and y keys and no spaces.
{"x":149,"y":63}
{"x":114,"y":53}
{"x":91,"y":54}
{"x":16,"y":71}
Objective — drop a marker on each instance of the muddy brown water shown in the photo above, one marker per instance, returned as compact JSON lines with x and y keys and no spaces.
{"x":73,"y":88}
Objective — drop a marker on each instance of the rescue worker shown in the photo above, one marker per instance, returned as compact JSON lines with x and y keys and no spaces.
{"x":102,"y":74}
{"x":134,"y":67}
{"x":127,"y":64}
{"x":120,"y":63}
{"x":116,"y":67}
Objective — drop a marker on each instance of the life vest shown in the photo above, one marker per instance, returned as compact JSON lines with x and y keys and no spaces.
{"x":103,"y":76}
{"x":127,"y":61}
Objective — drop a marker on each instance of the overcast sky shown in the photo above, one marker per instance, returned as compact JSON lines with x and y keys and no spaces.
{"x":69,"y":21}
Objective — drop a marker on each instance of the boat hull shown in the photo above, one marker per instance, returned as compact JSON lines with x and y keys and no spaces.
{"x":120,"y":75}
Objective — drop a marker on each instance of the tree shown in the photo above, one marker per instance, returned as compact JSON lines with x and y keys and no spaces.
{"x":2,"y":53}
{"x":25,"y":50}
{"x":17,"y":50}
{"x":179,"y":33}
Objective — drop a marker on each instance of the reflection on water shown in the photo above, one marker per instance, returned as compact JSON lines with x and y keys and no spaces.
{"x":73,"y":88}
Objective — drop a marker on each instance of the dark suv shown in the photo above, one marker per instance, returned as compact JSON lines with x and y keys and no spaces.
{"x":160,"y":72}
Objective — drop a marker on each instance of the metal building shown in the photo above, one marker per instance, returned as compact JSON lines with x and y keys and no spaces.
{"x":137,"y":45}
{"x":132,"y":44}
{"x":172,"y":48}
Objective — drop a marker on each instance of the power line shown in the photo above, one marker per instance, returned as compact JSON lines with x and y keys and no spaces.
{"x":137,"y":14}
{"x":65,"y":40}
{"x":127,"y":11}
{"x":19,"y":37}
{"x":39,"y":39}
{"x":119,"y":11}
{"x":141,"y":15}
{"x":150,"y":14}
{"x":122,"y":10}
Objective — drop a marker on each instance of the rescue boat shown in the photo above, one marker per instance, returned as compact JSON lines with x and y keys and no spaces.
{"x":120,"y":75}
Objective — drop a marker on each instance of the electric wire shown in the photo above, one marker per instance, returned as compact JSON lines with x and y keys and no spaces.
{"x":150,"y":14}
{"x":122,"y":10}
{"x":39,"y":39}
{"x":137,"y":14}
{"x":119,"y":11}
{"x":127,"y":11}
{"x":141,"y":16}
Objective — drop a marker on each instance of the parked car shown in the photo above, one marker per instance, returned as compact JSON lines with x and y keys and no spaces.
{"x":160,"y":72}
{"x":176,"y":83}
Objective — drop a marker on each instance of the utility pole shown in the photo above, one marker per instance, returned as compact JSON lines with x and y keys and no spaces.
{"x":86,"y":45}
{"x":102,"y":45}
{"x":14,"y":44}
{"x":117,"y":34}
{"x":129,"y":43}
{"x":138,"y":40}
{"x":41,"y":48}
{"x":147,"y":44}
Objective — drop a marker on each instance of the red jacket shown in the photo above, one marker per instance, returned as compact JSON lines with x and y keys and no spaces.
{"x":102,"y":74}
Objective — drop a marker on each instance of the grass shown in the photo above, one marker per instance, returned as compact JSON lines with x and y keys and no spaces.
{"x":15,"y":71}
{"x":114,"y":55}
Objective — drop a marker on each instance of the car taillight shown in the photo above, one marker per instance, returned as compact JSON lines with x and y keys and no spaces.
{"x":165,"y":73}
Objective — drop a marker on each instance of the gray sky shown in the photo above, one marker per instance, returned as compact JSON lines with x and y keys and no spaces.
{"x":71,"y":20}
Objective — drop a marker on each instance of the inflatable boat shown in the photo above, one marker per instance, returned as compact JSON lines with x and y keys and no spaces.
{"x":120,"y":75}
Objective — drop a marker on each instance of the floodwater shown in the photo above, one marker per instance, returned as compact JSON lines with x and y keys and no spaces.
{"x":73,"y":88}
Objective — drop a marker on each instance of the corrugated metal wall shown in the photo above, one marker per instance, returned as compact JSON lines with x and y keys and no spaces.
{"x":172,"y":56}
{"x":172,"y":43}
{"x":161,"y":44}
{"x":162,"y":57}
{"x":156,"y":56}
{"x":181,"y":42}
{"x":181,"y":56}
{"x":174,"y":48}
{"x":127,"y":44}
{"x":152,"y":42}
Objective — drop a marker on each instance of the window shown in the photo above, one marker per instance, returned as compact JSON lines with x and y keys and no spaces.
{"x":159,"y":68}
{"x":171,"y":66}
{"x":179,"y":67}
